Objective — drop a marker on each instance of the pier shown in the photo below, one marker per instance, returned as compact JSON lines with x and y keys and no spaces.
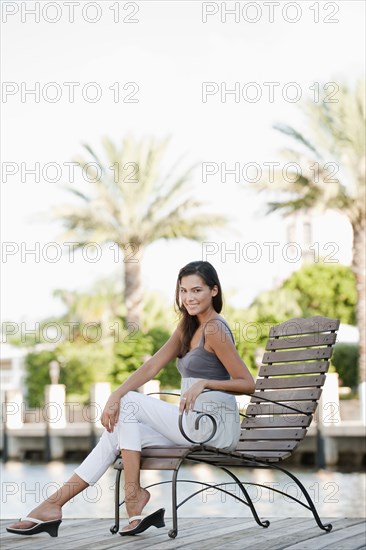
{"x":64,"y":430}
{"x":199,"y":534}
{"x":343,"y":444}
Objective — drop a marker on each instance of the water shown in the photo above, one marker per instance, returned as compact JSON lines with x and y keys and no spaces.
{"x":335,"y":494}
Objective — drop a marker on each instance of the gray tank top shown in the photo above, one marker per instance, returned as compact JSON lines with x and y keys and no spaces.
{"x":200,"y":363}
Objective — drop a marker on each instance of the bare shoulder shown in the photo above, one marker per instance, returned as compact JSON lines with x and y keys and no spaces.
{"x":217,"y":330}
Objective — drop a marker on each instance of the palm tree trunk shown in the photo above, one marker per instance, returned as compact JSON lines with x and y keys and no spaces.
{"x":133,"y":293}
{"x":358,"y":265}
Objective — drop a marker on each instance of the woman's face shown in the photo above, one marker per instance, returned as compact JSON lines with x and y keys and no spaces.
{"x":196,"y":296}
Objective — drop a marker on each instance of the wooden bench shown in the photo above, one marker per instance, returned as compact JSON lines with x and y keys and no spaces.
{"x":281,"y":409}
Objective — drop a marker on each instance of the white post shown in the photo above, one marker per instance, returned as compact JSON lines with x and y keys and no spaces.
{"x":99,"y":394}
{"x":329,"y":416}
{"x":151,"y":386}
{"x":329,"y":401}
{"x":54,"y":409}
{"x":14,"y":409}
{"x":242,"y":402}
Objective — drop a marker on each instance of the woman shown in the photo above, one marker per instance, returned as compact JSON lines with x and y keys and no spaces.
{"x":207,"y":360}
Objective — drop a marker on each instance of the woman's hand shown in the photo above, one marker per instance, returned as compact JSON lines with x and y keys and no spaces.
{"x":188,"y":399}
{"x":110,"y":413}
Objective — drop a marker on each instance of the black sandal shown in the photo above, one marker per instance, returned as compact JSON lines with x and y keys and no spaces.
{"x":50,"y":527}
{"x":156,"y":519}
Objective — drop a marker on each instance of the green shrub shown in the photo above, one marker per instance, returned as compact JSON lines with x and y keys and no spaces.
{"x":37,"y":375}
{"x":325,"y":289}
{"x":81,"y":364}
{"x":131,"y":352}
{"x":345,"y":360}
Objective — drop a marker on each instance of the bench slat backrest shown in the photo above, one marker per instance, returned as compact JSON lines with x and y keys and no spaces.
{"x":293,"y":372}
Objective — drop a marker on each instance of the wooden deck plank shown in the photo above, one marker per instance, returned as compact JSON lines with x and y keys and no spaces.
{"x":355,"y":542}
{"x":217,"y":533}
{"x":263,"y":538}
{"x":201,"y":534}
{"x":155,"y":538}
{"x":259,"y":538}
{"x":198,"y":534}
{"x":70,"y":530}
{"x":254,"y":533}
{"x":333,"y":539}
{"x":85,"y":532}
{"x":301,"y":532}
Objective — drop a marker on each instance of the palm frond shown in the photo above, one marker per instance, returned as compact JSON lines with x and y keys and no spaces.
{"x":114,"y":209}
{"x":335,"y":137}
{"x":78,"y":193}
{"x":93,"y":155}
{"x":291,"y":132}
{"x":179,"y":224}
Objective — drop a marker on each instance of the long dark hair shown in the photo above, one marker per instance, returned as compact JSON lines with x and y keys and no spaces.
{"x":189,"y":323}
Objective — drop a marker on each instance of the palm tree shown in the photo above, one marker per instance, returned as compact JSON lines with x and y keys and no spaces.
{"x":332,"y":161}
{"x":129,"y":203}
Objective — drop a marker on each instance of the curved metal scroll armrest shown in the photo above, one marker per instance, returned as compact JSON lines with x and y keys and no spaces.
{"x":164,"y":393}
{"x":200,"y":415}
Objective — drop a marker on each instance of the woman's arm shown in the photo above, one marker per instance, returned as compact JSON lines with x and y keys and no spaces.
{"x":218,"y":341}
{"x":143,"y":374}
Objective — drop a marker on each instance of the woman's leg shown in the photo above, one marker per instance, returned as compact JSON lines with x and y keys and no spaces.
{"x":136,"y":497}
{"x":88,"y":473}
{"x":141,"y":423}
{"x":141,"y":417}
{"x":138,"y":409}
{"x":50,"y":509}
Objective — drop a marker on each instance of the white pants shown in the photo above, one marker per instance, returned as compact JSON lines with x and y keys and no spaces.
{"x":143,"y":421}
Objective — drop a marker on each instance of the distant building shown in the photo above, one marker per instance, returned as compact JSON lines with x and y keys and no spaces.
{"x":12,"y":369}
{"x":321,"y":236}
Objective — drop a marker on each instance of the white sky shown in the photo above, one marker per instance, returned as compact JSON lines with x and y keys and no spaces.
{"x":168,"y":53}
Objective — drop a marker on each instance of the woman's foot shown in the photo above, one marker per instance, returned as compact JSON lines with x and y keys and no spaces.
{"x":135,"y":505}
{"x":47,"y":511}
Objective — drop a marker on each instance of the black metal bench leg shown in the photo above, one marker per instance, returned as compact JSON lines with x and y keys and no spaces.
{"x":173,"y":532}
{"x":115,"y":527}
{"x":325,"y":526}
{"x":264,"y":523}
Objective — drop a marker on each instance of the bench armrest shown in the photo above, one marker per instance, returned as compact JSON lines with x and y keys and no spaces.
{"x":163,"y":393}
{"x":196,"y":425}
